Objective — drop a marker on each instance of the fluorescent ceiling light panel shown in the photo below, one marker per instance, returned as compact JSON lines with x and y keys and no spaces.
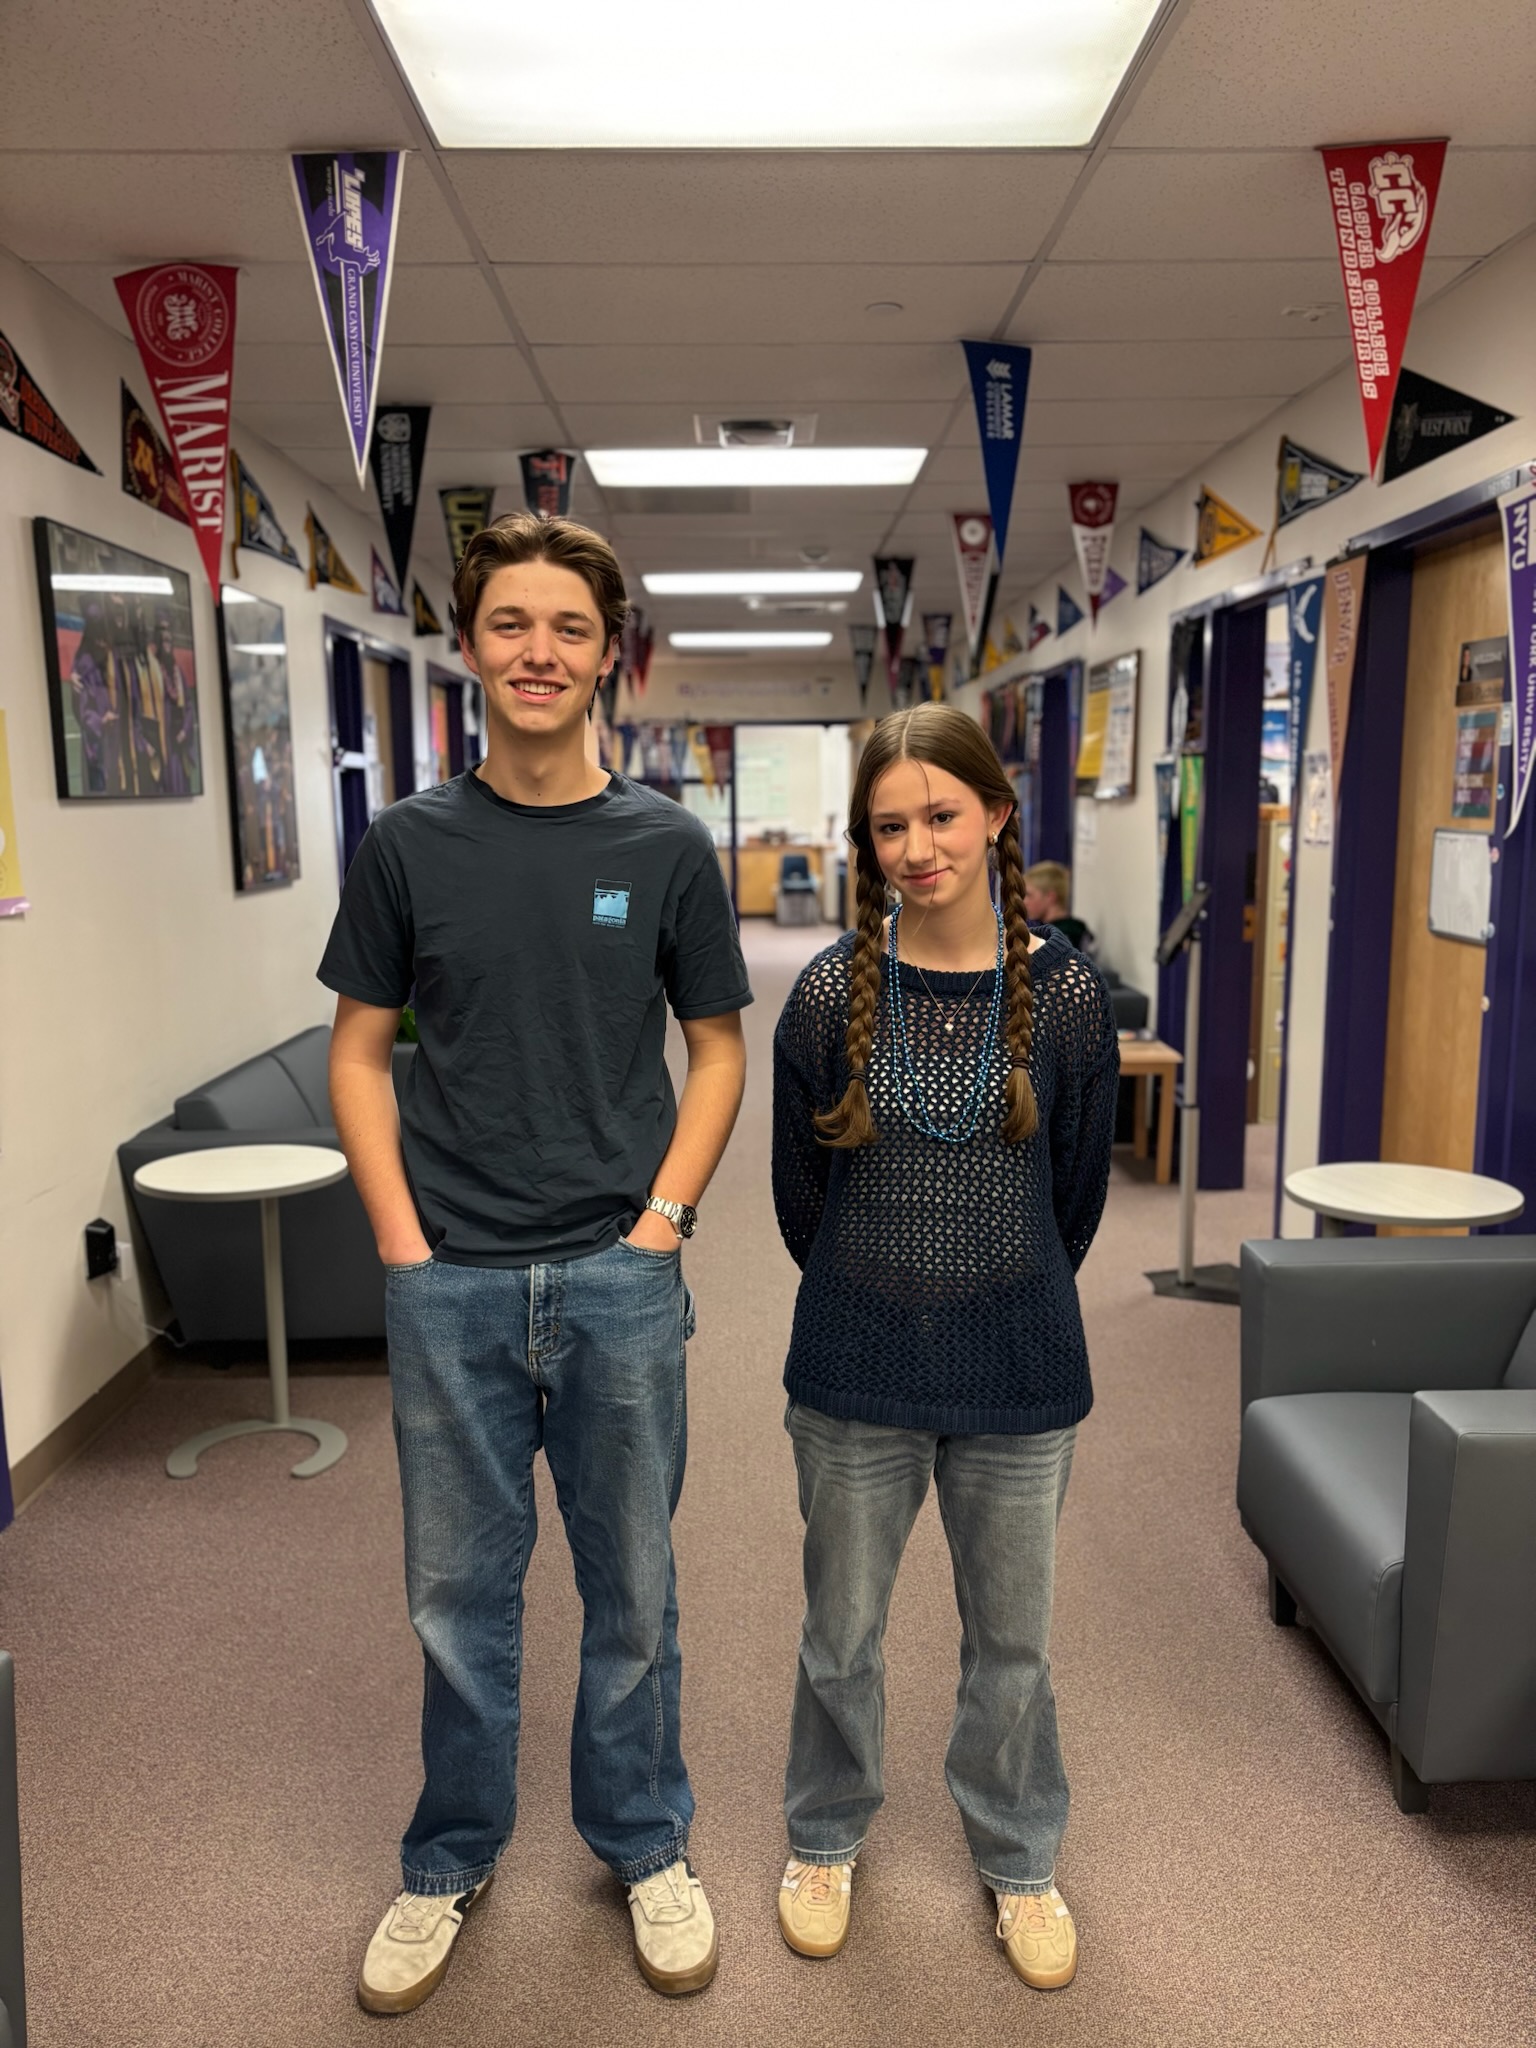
{"x":127,"y":586}
{"x":753,"y":582}
{"x":725,"y":642}
{"x":690,"y":74}
{"x":261,"y":647}
{"x":662,"y":469}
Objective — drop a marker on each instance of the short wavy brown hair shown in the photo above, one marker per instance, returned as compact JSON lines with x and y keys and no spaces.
{"x":538,"y":537}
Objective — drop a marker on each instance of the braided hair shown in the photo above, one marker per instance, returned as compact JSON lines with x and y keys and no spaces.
{"x":943,"y":737}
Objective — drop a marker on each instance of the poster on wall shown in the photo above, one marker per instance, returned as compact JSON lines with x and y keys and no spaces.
{"x":1090,"y":746}
{"x":1317,"y":800}
{"x":122,"y":677}
{"x":149,"y":469}
{"x":1117,"y":762}
{"x":349,"y":210}
{"x":256,"y":524}
{"x":13,"y":895}
{"x":1429,"y":420}
{"x":258,"y":741}
{"x":25,"y":412}
{"x":1191,"y":794}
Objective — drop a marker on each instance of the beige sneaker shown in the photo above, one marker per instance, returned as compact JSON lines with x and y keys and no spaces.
{"x":815,"y":1903}
{"x":408,"y":1956}
{"x":675,"y":1942}
{"x":1036,"y":1930}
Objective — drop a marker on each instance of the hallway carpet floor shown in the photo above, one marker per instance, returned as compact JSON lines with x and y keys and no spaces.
{"x":218,"y":1695}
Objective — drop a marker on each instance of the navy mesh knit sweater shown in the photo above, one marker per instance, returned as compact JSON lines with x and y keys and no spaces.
{"x":939,"y":1289}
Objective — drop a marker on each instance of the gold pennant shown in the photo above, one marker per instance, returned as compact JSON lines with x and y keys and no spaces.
{"x":325,"y":563}
{"x":1219,"y":528}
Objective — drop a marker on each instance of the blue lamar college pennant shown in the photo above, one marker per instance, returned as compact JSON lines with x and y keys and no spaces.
{"x":1000,"y":386}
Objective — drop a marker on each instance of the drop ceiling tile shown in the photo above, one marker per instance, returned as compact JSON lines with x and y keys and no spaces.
{"x":469,"y":429}
{"x":715,"y":377}
{"x":456,"y":376}
{"x":1204,"y":301}
{"x":1180,"y":369}
{"x":1085,"y":422}
{"x":1161,"y":462}
{"x":1244,"y":73}
{"x":947,"y":206}
{"x":1175,"y":204}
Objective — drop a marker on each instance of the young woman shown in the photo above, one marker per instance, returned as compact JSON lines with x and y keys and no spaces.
{"x":944,"y":1094}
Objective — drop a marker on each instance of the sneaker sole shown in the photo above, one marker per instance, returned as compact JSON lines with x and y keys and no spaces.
{"x":678,"y":1983}
{"x":1040,"y":1980}
{"x":389,"y":2003}
{"x":820,"y":1951}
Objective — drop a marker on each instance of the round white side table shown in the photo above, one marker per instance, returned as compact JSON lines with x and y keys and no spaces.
{"x":244,"y":1173}
{"x":1384,"y":1191}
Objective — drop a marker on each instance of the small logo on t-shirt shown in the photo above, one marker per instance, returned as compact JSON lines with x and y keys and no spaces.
{"x":610,"y":904}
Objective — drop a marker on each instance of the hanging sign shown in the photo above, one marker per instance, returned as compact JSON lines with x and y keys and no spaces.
{"x":466,"y":509}
{"x":386,"y":598}
{"x":425,"y":620}
{"x":349,"y":209}
{"x":1038,"y":629}
{"x":1154,"y":560}
{"x":395,"y":456}
{"x":325,"y":564}
{"x":183,"y":320}
{"x":1383,"y":199}
{"x":1303,"y":618}
{"x":1093,"y":531}
{"x":256,"y":524}
{"x":1068,"y":612}
{"x":1517,"y":514}
{"x":547,"y":479}
{"x":999,"y":385}
{"x":1114,"y":583}
{"x":1429,"y":420}
{"x":1343,"y":590}
{"x":25,"y":412}
{"x":862,"y":640}
{"x":973,"y":558}
{"x":1218,"y":529}
{"x":893,"y":601}
{"x":149,"y":468}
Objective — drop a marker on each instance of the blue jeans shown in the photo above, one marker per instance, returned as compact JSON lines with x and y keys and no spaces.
{"x":861,"y":1486}
{"x":486,"y":1364}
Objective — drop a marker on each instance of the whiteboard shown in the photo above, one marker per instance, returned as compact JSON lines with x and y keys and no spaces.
{"x":1460,"y":887}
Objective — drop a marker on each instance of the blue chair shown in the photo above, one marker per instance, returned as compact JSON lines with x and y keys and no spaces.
{"x":798,"y":898}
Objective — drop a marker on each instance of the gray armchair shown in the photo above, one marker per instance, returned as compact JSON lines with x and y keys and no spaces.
{"x":1387,"y":1471}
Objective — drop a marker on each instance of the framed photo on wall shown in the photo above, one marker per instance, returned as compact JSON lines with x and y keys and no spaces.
{"x":122,"y":676}
{"x":253,"y":652}
{"x":1117,"y":683}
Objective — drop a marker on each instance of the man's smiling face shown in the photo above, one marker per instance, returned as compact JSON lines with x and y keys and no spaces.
{"x":537,"y":645}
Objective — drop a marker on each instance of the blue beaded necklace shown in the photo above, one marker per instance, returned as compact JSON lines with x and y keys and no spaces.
{"x":909,"y":1089}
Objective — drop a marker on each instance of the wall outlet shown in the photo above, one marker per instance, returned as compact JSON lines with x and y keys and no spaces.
{"x":100,"y":1249}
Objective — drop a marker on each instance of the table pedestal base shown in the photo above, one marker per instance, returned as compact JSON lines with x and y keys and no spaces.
{"x":1209,"y":1283}
{"x":182,"y":1463}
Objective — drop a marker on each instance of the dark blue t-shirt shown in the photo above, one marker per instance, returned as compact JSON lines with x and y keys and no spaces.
{"x":543,"y":944}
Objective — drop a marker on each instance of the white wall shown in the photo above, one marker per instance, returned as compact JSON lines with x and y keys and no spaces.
{"x":1476,"y":337}
{"x":138,"y":971}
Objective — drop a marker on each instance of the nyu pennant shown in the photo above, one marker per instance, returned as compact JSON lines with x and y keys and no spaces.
{"x":1000,"y":387}
{"x":398,"y":449}
{"x":349,"y":209}
{"x":1517,"y":515}
{"x":183,"y":320}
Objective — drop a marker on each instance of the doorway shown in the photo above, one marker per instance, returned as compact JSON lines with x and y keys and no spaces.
{"x":372,"y":738}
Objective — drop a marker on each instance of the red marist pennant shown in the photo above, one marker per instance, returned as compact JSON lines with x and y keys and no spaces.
{"x":183,"y":319}
{"x":1383,"y":198}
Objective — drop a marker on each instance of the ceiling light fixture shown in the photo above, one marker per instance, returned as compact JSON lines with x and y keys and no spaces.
{"x":753,"y":582}
{"x":721,"y":643}
{"x":754,"y":468}
{"x":1033,"y":75}
{"x":125,"y":586}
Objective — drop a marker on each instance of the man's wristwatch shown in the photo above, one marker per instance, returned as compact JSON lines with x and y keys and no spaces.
{"x":682,"y":1216}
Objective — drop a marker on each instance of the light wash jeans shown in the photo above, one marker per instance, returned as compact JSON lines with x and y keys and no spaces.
{"x":1000,"y":1497}
{"x":486,"y":1364}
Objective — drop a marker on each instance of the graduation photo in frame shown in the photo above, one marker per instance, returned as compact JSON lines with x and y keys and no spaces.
{"x":253,"y":654}
{"x":122,"y":676}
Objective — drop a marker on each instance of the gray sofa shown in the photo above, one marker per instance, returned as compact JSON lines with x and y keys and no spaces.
{"x":1387,"y":1471}
{"x":208,"y":1254}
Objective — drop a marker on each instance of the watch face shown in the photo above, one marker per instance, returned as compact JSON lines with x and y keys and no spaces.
{"x":687,"y":1222}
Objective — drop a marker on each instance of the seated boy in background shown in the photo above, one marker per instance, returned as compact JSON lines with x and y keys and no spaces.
{"x":1047,"y":892}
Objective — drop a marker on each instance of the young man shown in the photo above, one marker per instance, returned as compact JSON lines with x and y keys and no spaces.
{"x":529,"y":1201}
{"x":1047,"y":892}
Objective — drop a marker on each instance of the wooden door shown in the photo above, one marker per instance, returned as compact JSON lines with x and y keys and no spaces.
{"x":1435,"y":1019}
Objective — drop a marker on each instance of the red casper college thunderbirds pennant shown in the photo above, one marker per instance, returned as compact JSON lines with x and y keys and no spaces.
{"x":183,"y":319}
{"x":1093,"y":531}
{"x":1383,"y":198}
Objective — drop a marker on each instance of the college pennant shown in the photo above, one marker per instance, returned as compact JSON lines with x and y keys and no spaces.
{"x":547,"y":477}
{"x":1093,"y":532}
{"x":1218,"y":529}
{"x":1114,"y":583}
{"x":861,"y":639}
{"x":1303,"y":480}
{"x":386,"y":598}
{"x":1430,"y":419}
{"x":1068,"y":612}
{"x":1039,"y":629}
{"x":26,"y":413}
{"x":1343,"y":596}
{"x":466,"y":509}
{"x":1000,"y":386}
{"x":349,"y":209}
{"x":1154,"y":560}
{"x":182,"y":316}
{"x":325,"y":563}
{"x":937,"y":628}
{"x":1383,"y":199}
{"x":1517,"y":515}
{"x":395,"y":456}
{"x":893,"y":602}
{"x":973,"y":558}
{"x":1303,"y":620}
{"x":256,"y":524}
{"x":149,"y":468}
{"x":424,"y":618}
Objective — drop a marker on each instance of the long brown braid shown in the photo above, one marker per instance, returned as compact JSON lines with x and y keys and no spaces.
{"x":943,"y":737}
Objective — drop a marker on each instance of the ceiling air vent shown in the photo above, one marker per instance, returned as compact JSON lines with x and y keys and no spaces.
{"x":714,"y":430}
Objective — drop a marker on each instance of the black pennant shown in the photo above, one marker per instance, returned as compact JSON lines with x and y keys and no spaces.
{"x":395,"y":457}
{"x":466,"y":508}
{"x":1429,"y":420}
{"x":24,"y":411}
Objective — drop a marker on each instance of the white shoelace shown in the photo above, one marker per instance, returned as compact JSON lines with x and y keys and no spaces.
{"x":665,"y":1895}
